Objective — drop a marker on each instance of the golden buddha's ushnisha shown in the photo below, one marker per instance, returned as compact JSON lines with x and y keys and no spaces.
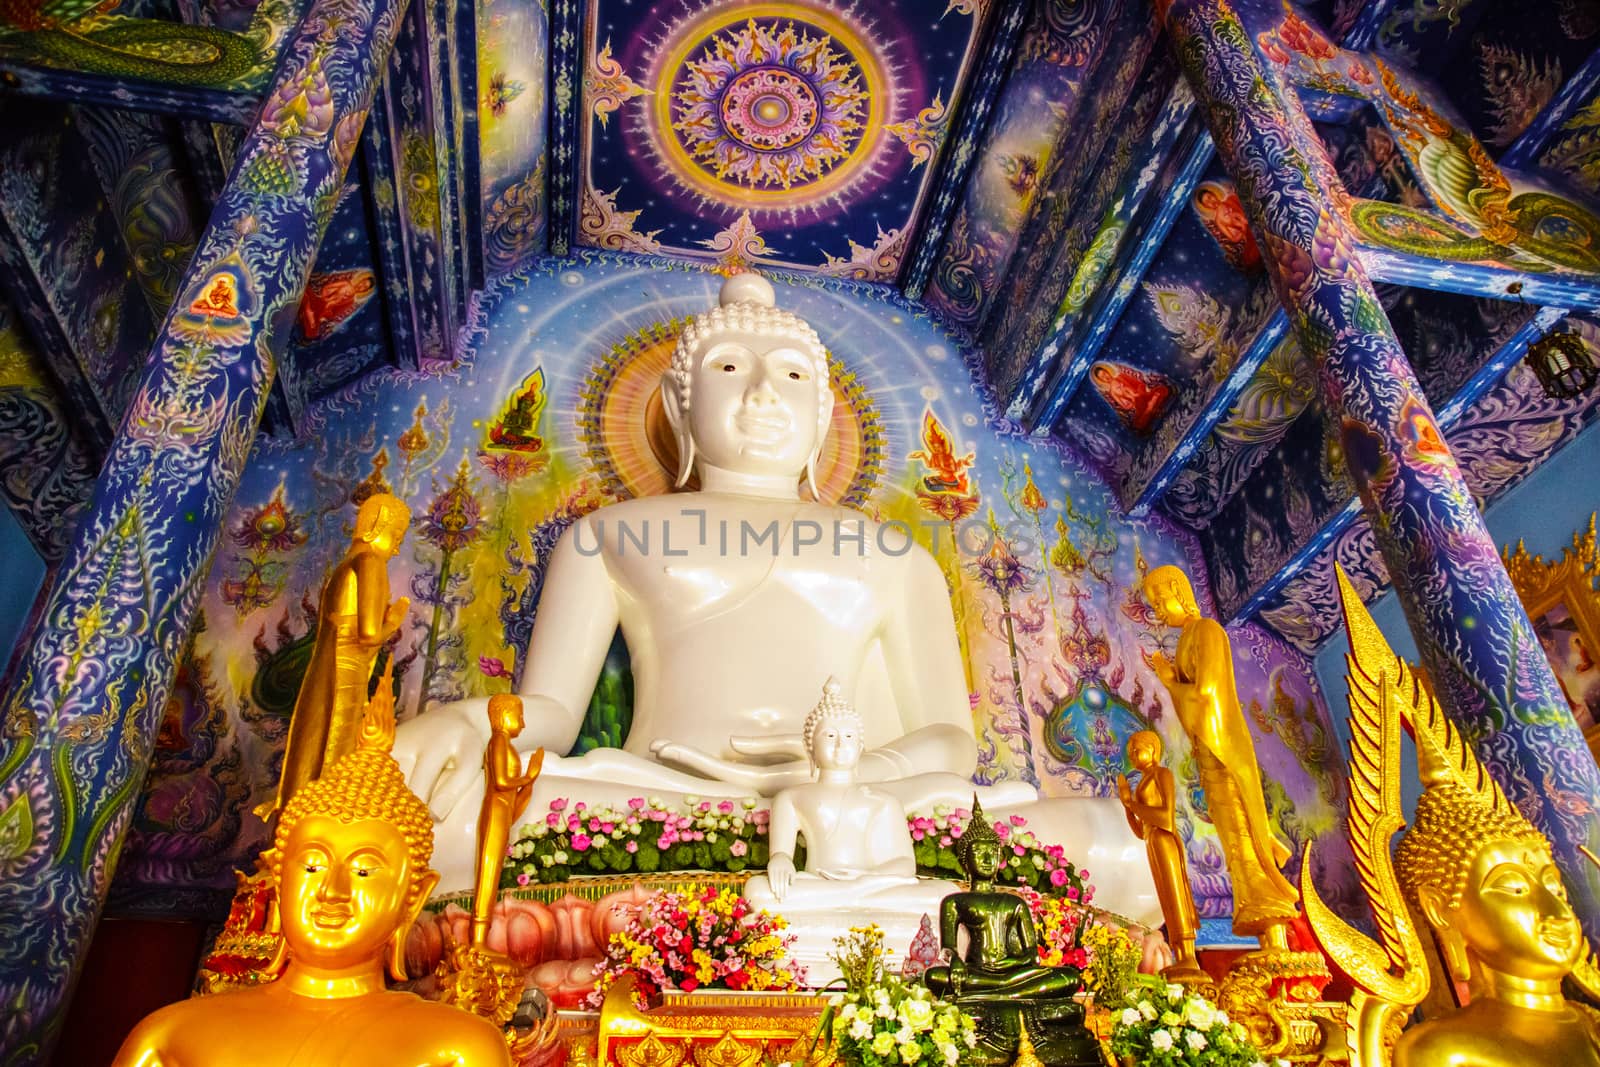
{"x":351,"y":858}
{"x":1199,"y":677}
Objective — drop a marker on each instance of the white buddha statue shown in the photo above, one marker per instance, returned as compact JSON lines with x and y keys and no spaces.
{"x":736,"y":601}
{"x":860,"y":866}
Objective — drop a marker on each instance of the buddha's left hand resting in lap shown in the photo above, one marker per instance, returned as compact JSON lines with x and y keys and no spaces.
{"x":351,"y":857}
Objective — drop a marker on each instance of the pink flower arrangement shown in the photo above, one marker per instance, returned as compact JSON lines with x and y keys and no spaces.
{"x":704,"y":940}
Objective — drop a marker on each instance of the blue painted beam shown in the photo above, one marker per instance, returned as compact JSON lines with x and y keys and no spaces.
{"x":1214,"y":412}
{"x":1448,"y":414}
{"x":567,"y":32}
{"x":1361,"y":34}
{"x":1583,"y":85}
{"x":961,"y":151}
{"x":1573,"y":292}
{"x":1196,"y":152}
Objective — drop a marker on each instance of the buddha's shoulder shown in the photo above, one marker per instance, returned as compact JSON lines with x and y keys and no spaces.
{"x":429,"y":1021}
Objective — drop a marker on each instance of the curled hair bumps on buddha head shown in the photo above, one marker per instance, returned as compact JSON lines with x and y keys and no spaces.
{"x":366,"y":784}
{"x":747,"y":304}
{"x":1451,"y":824}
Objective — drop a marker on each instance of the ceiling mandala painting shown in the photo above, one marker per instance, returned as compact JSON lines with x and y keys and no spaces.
{"x":795,"y":134}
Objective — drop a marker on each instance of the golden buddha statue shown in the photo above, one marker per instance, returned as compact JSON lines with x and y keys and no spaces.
{"x":1151,"y":808}
{"x":506,"y":796}
{"x":1472,"y":868}
{"x":355,"y":618}
{"x":350,"y":855}
{"x":1200,"y":679}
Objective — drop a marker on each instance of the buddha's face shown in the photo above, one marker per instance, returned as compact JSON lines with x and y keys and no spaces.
{"x":836,"y":744}
{"x":509,"y":714}
{"x":1143,"y":751}
{"x":1514,"y":916}
{"x":985,"y":860}
{"x":755,"y":406}
{"x":383,"y":525}
{"x":345,"y":890}
{"x":1167,"y":597}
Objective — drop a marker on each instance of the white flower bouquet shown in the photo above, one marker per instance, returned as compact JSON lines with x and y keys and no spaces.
{"x":882,"y":1021}
{"x":1170,"y":1027}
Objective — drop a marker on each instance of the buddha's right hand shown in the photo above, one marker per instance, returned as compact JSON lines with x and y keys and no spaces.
{"x":441,"y":753}
{"x":780,"y":874}
{"x":791,"y":746}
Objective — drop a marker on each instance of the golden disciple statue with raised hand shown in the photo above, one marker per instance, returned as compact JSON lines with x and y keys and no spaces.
{"x":508,"y":789}
{"x":1200,"y":678}
{"x":351,"y":861}
{"x":1152,"y":814}
{"x":355,"y":618}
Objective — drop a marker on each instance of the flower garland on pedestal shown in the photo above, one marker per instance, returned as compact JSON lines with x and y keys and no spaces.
{"x":646,"y":837}
{"x":710,"y":940}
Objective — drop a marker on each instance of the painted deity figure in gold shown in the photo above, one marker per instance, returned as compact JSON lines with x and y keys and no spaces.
{"x":508,"y":789}
{"x":351,"y":854}
{"x":1152,"y":814}
{"x":355,"y":618}
{"x":1200,"y":678}
{"x":1472,"y":868}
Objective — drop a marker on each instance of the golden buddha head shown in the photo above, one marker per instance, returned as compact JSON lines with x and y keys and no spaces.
{"x":1485,"y":881}
{"x":1168,"y":591}
{"x":506,"y":713}
{"x":980,"y":847}
{"x":748,"y":387}
{"x":381,"y":522}
{"x":1144,"y":749}
{"x":351,"y":861}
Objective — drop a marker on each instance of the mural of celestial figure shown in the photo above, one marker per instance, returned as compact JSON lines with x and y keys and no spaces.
{"x":355,"y":618}
{"x":1139,"y":397}
{"x":1152,"y":814}
{"x":1200,"y":678}
{"x":508,"y":788}
{"x":352,"y":851}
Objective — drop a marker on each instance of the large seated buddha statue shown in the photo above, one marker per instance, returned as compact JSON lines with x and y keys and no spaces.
{"x":737,"y":601}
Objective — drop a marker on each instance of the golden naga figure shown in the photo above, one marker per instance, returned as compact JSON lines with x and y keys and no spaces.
{"x":1200,"y":679}
{"x":351,"y":858}
{"x":508,"y":791}
{"x":1151,"y":808}
{"x":355,"y":618}
{"x":1472,"y":868}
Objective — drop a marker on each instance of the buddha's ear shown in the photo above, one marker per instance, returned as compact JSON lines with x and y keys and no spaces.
{"x":397,"y":943}
{"x":678,"y":419}
{"x":1452,"y":947}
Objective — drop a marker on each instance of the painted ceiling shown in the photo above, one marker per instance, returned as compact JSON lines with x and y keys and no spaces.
{"x":1033,"y":175}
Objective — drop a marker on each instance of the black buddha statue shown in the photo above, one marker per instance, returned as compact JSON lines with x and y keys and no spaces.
{"x":999,"y":981}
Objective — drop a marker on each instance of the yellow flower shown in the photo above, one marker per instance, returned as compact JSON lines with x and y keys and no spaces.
{"x":883,"y":1043}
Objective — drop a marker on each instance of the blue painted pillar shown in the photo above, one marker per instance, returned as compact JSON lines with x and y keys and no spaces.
{"x":1476,"y":641}
{"x":77,"y":730}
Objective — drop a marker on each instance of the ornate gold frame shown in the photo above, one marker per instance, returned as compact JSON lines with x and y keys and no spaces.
{"x":1568,"y":582}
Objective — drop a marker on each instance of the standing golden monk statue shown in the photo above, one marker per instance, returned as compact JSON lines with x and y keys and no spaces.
{"x":350,"y":858}
{"x":1152,"y":814}
{"x":355,"y":618}
{"x":1200,"y":679}
{"x":507,"y":792}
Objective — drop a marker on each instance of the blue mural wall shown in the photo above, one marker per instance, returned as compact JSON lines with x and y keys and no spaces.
{"x":1543,"y":511}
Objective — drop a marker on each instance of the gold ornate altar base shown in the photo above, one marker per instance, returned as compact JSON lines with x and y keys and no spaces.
{"x":707,"y":1028}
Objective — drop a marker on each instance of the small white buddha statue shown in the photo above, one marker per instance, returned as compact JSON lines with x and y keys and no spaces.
{"x":860,"y":865}
{"x":857,"y":839}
